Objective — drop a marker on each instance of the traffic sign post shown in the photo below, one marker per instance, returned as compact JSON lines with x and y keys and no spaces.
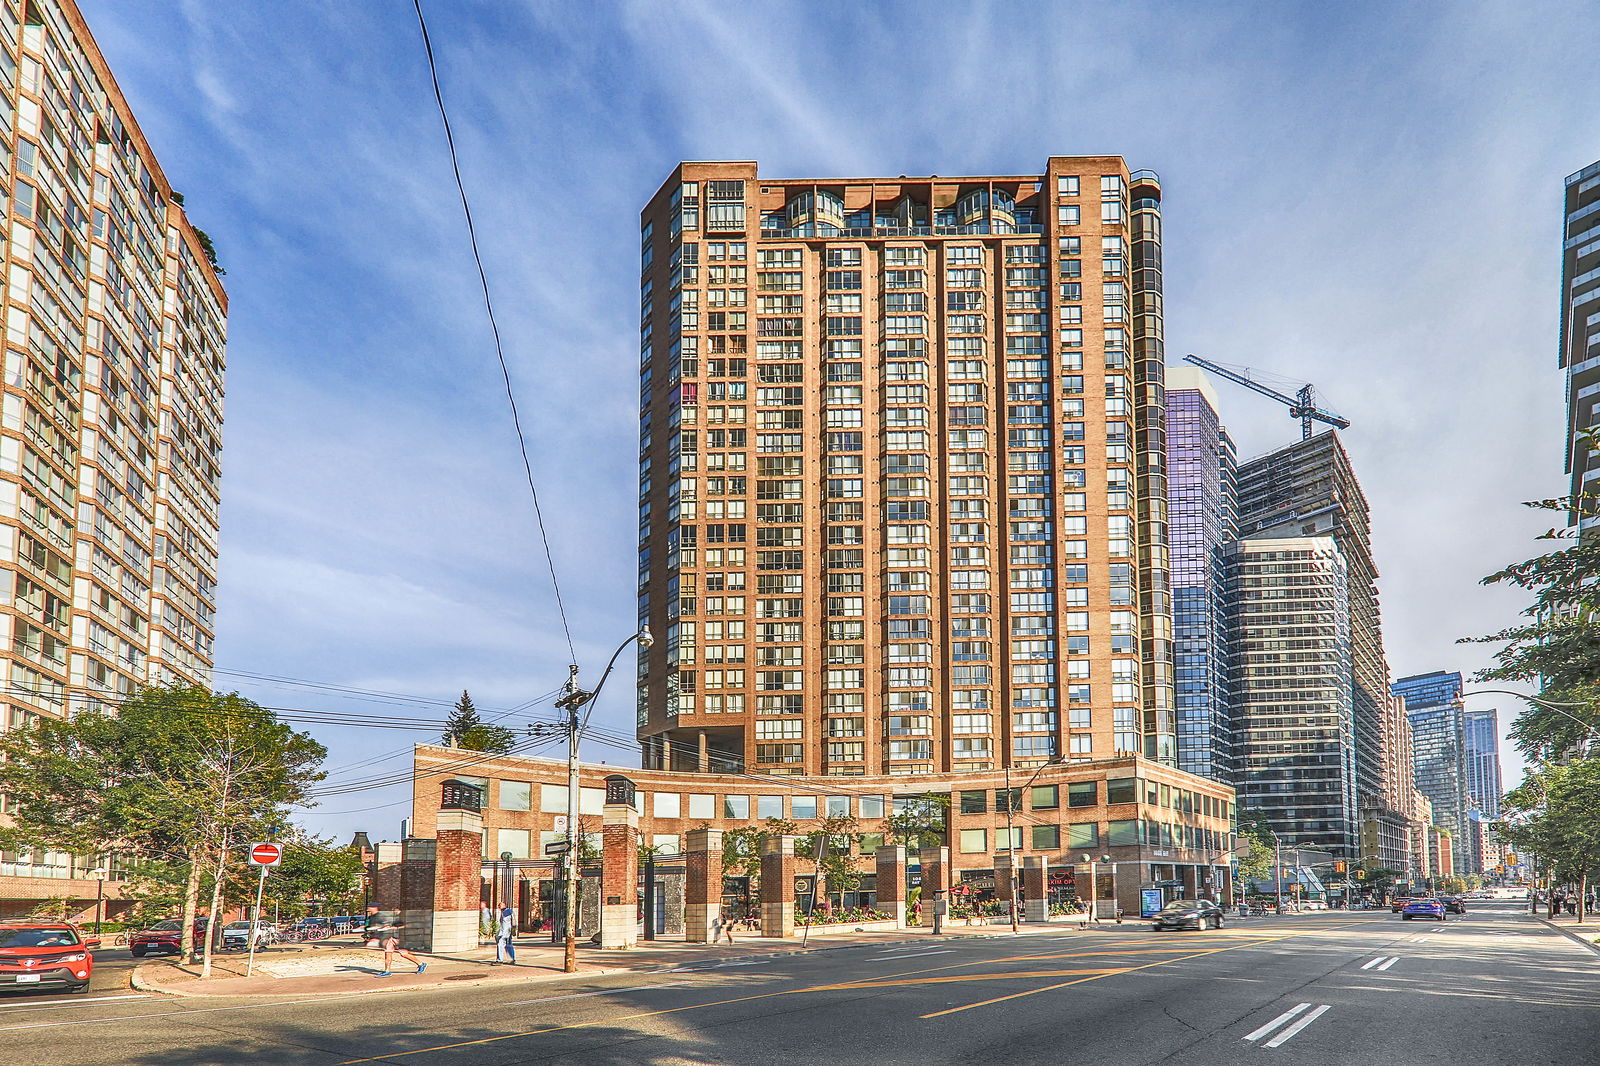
{"x":263,"y":855}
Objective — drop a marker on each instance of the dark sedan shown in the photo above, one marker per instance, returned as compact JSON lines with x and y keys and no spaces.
{"x":1189,"y":914}
{"x":1423,"y":908}
{"x":1454,"y":904}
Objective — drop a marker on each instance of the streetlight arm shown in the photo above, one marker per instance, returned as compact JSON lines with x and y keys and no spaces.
{"x":645,"y":640}
{"x":1557,"y":707}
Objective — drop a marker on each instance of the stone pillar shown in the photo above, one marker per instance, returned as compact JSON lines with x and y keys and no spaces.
{"x":1004,"y":878}
{"x":619,"y":877}
{"x":891,"y":883}
{"x":777,"y":886}
{"x":457,"y":880}
{"x":1035,"y":888}
{"x":387,"y":868}
{"x":702,"y":892}
{"x":415,"y":902}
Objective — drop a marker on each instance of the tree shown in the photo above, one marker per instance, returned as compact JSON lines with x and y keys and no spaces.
{"x":919,"y":821}
{"x":313,"y":868}
{"x":178,"y":778}
{"x":1555,"y":814}
{"x":465,"y":729}
{"x":1558,"y":648}
{"x":1258,"y":843}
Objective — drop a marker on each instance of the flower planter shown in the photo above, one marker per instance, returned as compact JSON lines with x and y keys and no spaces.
{"x":834,"y":927}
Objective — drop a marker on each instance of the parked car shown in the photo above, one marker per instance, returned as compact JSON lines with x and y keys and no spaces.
{"x":1399,"y":902}
{"x":1454,"y":904}
{"x":236,"y":935}
{"x":164,"y":937}
{"x":1423,"y":908}
{"x":1189,"y":914}
{"x":45,"y":955}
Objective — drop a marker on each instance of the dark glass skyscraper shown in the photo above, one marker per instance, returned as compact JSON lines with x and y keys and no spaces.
{"x":1580,"y":324}
{"x":1433,"y":705}
{"x":1201,"y":464}
{"x":1481,"y":731}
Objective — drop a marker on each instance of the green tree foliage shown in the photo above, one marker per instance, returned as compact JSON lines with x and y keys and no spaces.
{"x":1558,"y":647}
{"x":919,"y":821}
{"x":466,"y":729}
{"x":1256,"y":846}
{"x":178,"y":779}
{"x":1555,"y":814}
{"x":312,"y":869}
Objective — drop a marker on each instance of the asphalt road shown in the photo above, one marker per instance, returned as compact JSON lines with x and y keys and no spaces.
{"x":1492,"y":988}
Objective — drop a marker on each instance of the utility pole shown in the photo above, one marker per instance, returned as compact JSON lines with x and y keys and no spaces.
{"x":1277,"y":869}
{"x":573,"y":700}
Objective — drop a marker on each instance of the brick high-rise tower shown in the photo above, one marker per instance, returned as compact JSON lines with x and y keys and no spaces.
{"x":902,"y":482}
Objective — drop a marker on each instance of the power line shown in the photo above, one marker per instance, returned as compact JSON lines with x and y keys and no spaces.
{"x":488,"y":304}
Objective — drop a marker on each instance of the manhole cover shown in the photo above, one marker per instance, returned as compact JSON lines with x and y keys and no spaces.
{"x":466,"y":977}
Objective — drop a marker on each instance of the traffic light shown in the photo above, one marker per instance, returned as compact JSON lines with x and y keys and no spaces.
{"x":1340,"y":867}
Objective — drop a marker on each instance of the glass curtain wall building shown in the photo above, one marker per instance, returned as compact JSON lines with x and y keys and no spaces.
{"x":1293,"y":705}
{"x":1481,"y":743}
{"x":902,"y":471}
{"x":1201,"y":496}
{"x":1438,"y":746}
{"x":1580,"y":324}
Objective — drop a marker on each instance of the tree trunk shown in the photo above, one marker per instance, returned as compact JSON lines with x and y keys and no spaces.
{"x":1583,"y":887}
{"x":191,"y":904}
{"x":214,"y":927}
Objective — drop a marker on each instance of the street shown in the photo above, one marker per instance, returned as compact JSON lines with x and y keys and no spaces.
{"x":1338,"y":988}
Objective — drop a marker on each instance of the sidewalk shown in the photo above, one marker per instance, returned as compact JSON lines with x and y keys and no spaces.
{"x":1587,"y":934}
{"x":341,"y":966}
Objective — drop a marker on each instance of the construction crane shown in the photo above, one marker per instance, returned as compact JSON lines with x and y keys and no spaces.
{"x":1302,"y":405}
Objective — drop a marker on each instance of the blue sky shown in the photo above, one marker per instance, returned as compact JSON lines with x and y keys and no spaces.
{"x":1365,"y":196}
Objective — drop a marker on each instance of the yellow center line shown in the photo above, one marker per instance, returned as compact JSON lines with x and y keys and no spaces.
{"x":785,"y":992}
{"x":1081,"y":980}
{"x":950,"y":978}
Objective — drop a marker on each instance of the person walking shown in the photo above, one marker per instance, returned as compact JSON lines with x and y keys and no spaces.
{"x":505,"y":948}
{"x":720,"y":928}
{"x":383,"y":931}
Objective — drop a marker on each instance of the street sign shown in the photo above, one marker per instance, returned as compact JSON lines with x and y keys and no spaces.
{"x":560,"y":825}
{"x":557,"y":847}
{"x":266,"y":854}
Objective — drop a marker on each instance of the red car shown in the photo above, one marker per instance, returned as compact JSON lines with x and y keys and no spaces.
{"x":45,"y":955}
{"x":164,"y":937}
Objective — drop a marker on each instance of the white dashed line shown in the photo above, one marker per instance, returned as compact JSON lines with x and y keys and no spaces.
{"x":1274,"y":1023}
{"x":1293,"y":1030}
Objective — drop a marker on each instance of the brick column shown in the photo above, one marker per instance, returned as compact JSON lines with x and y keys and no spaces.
{"x":619,"y":878}
{"x":415,"y":902}
{"x":777,"y":886}
{"x":891,"y":883}
{"x":457,"y":880}
{"x":935,"y":873}
{"x":385,"y":888}
{"x":1035,"y":888}
{"x":702,"y":890}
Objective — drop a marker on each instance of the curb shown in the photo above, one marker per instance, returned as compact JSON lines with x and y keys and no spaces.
{"x":139,"y":982}
{"x":1569,"y":934}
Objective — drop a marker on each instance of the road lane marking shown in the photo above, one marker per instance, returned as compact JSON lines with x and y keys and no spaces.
{"x":915,"y":955}
{"x":13,"y":1006}
{"x":1390,"y":963}
{"x":601,"y":992}
{"x":164,"y":1014}
{"x":1371,"y":963}
{"x":1274,"y":1023}
{"x":1293,"y":1030}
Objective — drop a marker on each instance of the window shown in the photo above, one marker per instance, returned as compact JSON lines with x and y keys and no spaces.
{"x":516,"y":841}
{"x":974,"y":801}
{"x":1045,"y":797}
{"x":838,"y":806}
{"x":1122,"y":790}
{"x":737,"y":807}
{"x":667,"y":804}
{"x":516,"y":795}
{"x":802,"y":807}
{"x":871,"y":806}
{"x":1123,"y":834}
{"x":702,"y":807}
{"x":1083,"y":835}
{"x":1084,"y":793}
{"x":1046,"y":837}
{"x":769,"y":806}
{"x":973,"y":841}
{"x":1067,"y":184}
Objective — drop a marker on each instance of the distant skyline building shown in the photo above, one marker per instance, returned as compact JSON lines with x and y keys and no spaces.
{"x":1291,"y":689}
{"x":1434,"y":708}
{"x":1580,"y":322}
{"x":110,"y":447}
{"x":1201,"y":494}
{"x":1481,"y":748}
{"x":903,"y":500}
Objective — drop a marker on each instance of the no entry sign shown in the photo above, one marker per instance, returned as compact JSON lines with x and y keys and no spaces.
{"x":266,"y":854}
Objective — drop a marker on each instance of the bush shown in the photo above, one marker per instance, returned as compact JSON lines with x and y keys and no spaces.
{"x":843,"y":916}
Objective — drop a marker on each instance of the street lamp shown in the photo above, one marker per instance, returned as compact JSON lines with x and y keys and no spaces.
{"x":1012,"y":799}
{"x":99,"y":874}
{"x":573,"y":700}
{"x":1557,"y":707}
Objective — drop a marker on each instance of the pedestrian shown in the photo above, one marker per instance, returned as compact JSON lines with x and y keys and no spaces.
{"x":1556,"y":902}
{"x":383,"y":931}
{"x":916,"y":912}
{"x":505,"y":948}
{"x":721,"y":927}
